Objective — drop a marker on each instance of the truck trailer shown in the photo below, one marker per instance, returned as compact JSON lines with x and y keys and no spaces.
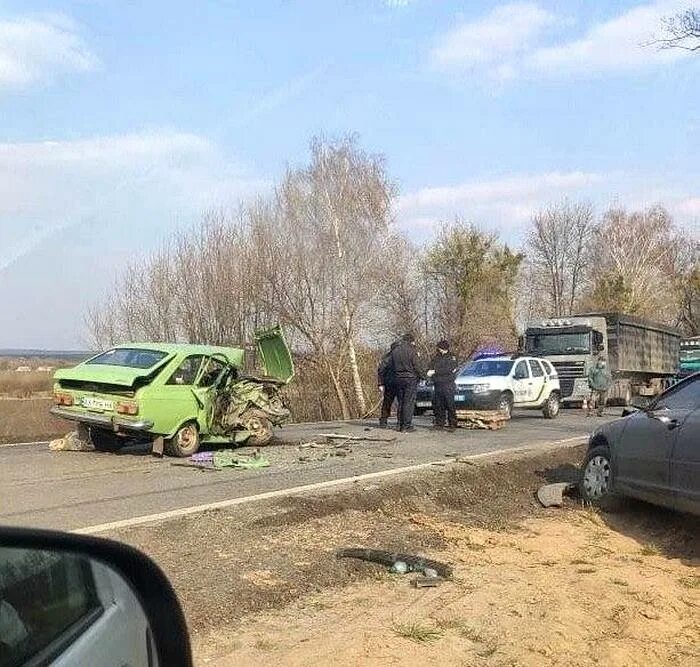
{"x":642,"y":356}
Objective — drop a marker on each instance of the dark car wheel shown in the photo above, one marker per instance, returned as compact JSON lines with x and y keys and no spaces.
{"x":505,"y":404}
{"x":185,"y":442}
{"x":104,"y":441}
{"x":597,"y":477}
{"x":551,"y":407}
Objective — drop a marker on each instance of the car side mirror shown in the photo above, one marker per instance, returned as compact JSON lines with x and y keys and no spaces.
{"x":85,"y":600}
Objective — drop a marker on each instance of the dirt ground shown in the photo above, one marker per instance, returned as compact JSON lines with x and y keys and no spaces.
{"x":532,"y":586}
{"x":28,"y":419}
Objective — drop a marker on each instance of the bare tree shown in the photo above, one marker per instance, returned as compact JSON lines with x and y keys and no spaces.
{"x":351,"y":204}
{"x":558,"y":248}
{"x":636,"y":258}
{"x":681,"y":31}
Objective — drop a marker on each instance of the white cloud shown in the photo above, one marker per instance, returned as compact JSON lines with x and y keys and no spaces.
{"x":36,"y":49}
{"x":501,"y":34}
{"x":74,"y":213}
{"x":122,"y":183}
{"x":506,"y":204}
{"x":620,"y":44}
{"x":523,"y":40}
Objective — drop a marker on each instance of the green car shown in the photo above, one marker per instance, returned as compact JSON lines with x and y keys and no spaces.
{"x":177,"y":395}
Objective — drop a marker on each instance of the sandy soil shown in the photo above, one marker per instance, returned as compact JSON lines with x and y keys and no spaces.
{"x":569,"y":586}
{"x":565,"y":590}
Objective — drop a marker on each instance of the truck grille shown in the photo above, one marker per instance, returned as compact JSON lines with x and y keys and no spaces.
{"x":568,"y":371}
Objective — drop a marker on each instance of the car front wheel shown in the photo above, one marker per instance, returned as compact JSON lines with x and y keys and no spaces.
{"x":505,"y":404}
{"x":597,"y":478}
{"x":185,"y":442}
{"x":551,"y":406}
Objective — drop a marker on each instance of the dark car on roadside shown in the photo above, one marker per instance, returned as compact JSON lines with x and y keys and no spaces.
{"x":424,"y":394}
{"x":652,"y":454}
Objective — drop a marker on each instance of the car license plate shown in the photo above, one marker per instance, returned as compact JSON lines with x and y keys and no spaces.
{"x":460,"y":397}
{"x":423,"y":404}
{"x":93,"y":403}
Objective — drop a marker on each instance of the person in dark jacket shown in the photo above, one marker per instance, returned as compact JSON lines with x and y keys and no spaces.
{"x":386,"y":380}
{"x":443,"y":370}
{"x":407,"y":371}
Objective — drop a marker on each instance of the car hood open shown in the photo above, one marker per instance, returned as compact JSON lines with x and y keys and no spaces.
{"x":275,"y":356}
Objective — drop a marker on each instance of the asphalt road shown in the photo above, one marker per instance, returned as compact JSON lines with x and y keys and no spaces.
{"x":75,"y":490}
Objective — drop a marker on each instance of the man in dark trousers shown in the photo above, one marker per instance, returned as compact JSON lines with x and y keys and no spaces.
{"x":386,"y":380}
{"x":407,"y":371}
{"x":442,"y":370}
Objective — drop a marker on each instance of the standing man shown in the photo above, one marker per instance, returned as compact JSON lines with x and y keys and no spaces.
{"x":599,"y":382}
{"x":407,"y":371}
{"x":386,"y":380}
{"x":443,"y":370}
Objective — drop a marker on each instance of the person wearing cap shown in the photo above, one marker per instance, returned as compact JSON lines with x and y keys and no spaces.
{"x":599,"y":382}
{"x":407,"y":372}
{"x":386,"y":380}
{"x":443,"y":371}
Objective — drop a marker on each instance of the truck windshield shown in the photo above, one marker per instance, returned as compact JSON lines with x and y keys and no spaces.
{"x":559,"y":343}
{"x":487,"y":367}
{"x":130,"y":357}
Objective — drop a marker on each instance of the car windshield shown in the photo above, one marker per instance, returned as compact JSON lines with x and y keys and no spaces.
{"x":129,"y":357}
{"x":487,"y":367}
{"x":559,"y":343}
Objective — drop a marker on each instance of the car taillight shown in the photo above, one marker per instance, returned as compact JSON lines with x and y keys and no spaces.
{"x":62,"y":399}
{"x":127,"y":408}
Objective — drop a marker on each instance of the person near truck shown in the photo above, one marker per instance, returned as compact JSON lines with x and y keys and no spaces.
{"x":443,"y":372}
{"x":407,"y":371}
{"x":599,"y":382}
{"x":386,"y":380}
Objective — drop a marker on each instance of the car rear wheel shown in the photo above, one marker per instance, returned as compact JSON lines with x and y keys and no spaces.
{"x":597,"y":478}
{"x":258,"y":424}
{"x":104,"y":441}
{"x":505,"y":404}
{"x":551,"y":406}
{"x":185,"y":442}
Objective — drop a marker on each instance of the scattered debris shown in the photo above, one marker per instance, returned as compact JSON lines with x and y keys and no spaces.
{"x":412,"y":562}
{"x":225,"y":458}
{"x":71,"y":442}
{"x":381,"y":455}
{"x":552,"y":495}
{"x":229,"y":458}
{"x":490,"y":420}
{"x":330,"y":437}
{"x":426,"y":582}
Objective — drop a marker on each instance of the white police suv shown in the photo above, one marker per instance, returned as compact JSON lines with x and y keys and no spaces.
{"x":503,"y":382}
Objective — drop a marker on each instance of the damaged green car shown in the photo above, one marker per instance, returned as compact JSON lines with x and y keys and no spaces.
{"x":177,"y":395}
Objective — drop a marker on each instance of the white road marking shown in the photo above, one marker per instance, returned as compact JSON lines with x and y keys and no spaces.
{"x":296,"y":490}
{"x":23,"y":444}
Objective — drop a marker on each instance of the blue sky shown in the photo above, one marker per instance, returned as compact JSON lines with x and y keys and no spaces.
{"x":122,"y":121}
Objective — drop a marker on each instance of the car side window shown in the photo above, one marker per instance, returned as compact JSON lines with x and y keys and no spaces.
{"x":47,"y":600}
{"x":186,"y":372}
{"x":521,"y":372}
{"x":682,"y":397}
{"x":211,"y":371}
{"x":535,"y":368}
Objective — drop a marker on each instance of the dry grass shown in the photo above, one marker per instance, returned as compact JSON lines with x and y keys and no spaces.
{"x":25,"y":385}
{"x":24,"y":420}
{"x":417,"y":632}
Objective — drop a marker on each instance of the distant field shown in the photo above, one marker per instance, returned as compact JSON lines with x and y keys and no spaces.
{"x":27,"y":420}
{"x":24,"y":385}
